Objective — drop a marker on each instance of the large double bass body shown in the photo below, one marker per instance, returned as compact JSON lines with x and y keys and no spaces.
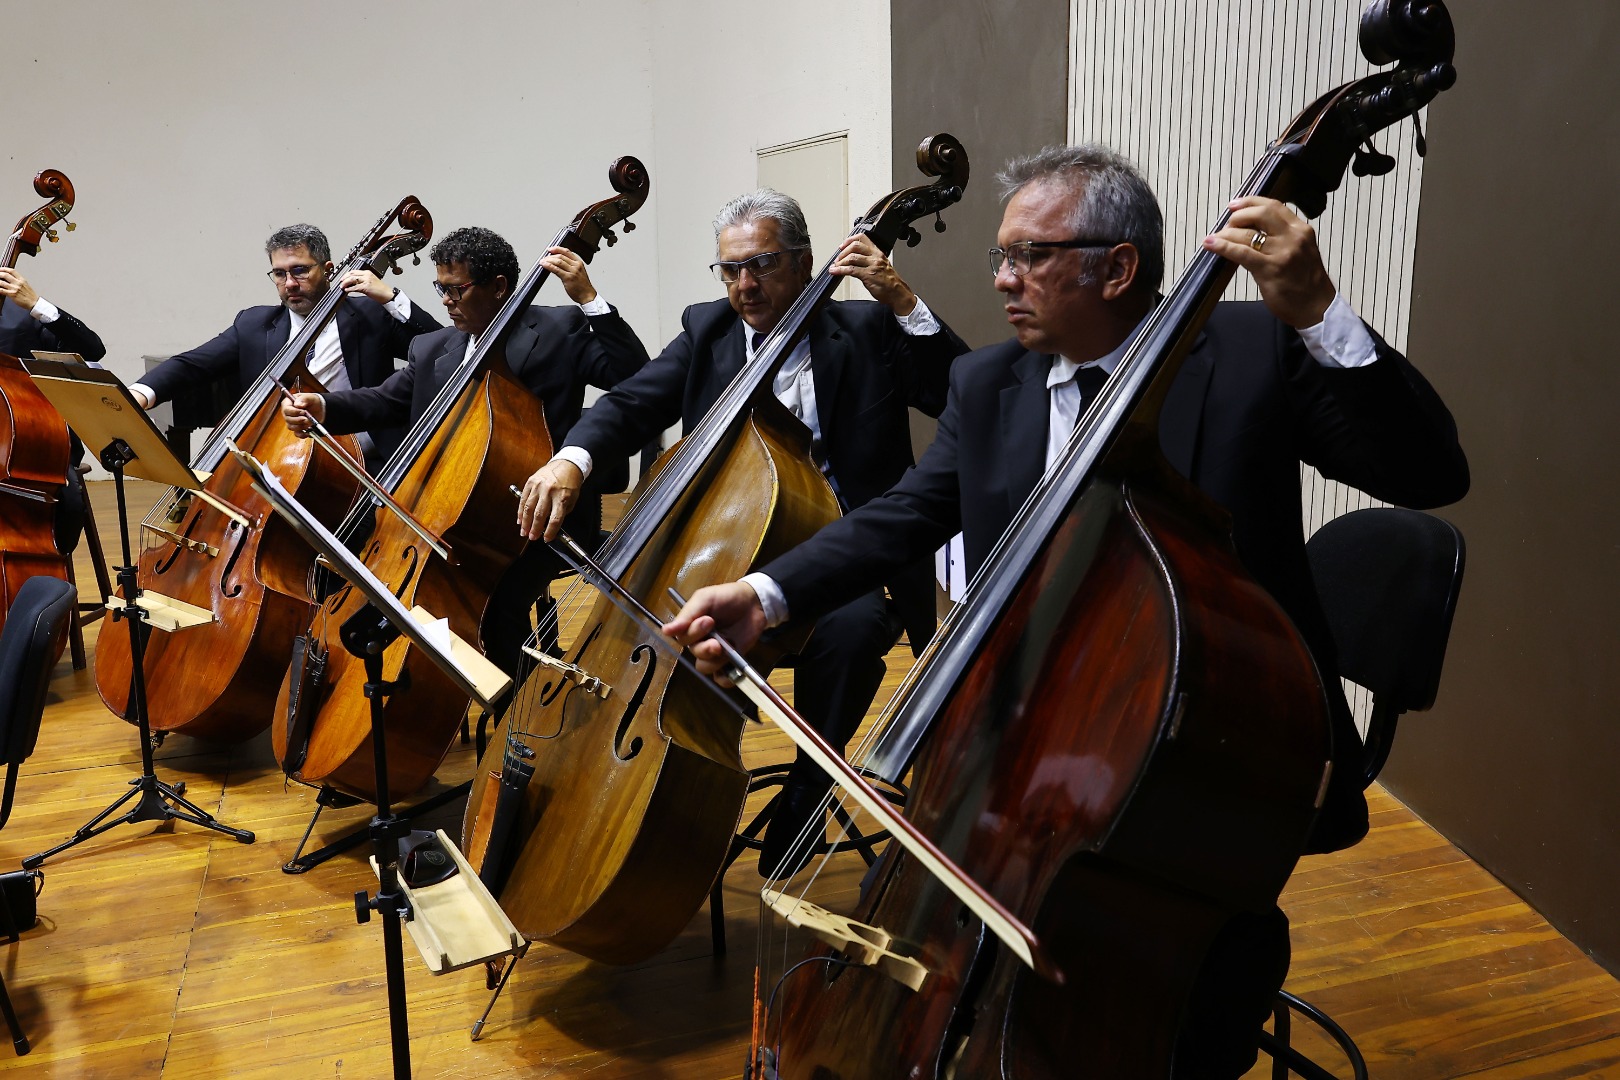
{"x":248,"y":569}
{"x":1118,"y":733}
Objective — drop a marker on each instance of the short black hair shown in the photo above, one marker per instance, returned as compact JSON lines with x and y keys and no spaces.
{"x":304,"y":236}
{"x":485,"y":254}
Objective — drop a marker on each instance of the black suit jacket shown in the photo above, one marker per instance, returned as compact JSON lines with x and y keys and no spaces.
{"x":21,"y":334}
{"x":867,"y":371}
{"x":1248,"y":406}
{"x":372,"y":340}
{"x":554,"y":351}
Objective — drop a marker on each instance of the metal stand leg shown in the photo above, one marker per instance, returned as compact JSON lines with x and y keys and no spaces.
{"x":301,"y":863}
{"x":155,"y":800}
{"x":506,"y":973}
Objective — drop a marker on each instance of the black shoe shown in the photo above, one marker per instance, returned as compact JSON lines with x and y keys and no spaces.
{"x":795,"y":807}
{"x":1341,"y":823}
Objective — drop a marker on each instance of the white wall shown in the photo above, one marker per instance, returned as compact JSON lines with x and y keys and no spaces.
{"x":193,"y":128}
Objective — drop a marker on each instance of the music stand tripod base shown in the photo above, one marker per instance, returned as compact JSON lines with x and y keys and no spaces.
{"x":154,"y":799}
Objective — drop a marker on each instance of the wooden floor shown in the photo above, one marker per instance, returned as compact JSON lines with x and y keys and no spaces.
{"x":177,"y":953}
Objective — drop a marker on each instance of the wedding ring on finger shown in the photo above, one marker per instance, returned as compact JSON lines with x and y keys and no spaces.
{"x":1259,"y":239}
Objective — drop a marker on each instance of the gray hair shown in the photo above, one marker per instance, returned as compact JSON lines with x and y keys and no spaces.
{"x":772,"y":205}
{"x":1111,"y":202}
{"x":304,"y":236}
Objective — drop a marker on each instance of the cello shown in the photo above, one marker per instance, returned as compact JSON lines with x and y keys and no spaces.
{"x":35,"y":450}
{"x":1117,"y":733}
{"x":605,"y":805}
{"x":226,"y":552}
{"x":452,"y":477}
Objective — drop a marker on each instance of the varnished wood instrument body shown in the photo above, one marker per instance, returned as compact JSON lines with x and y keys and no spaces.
{"x":635,"y":797}
{"x":218,"y":680}
{"x":34,"y":447}
{"x":459,"y":488}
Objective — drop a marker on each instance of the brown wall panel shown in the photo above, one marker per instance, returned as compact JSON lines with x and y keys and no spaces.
{"x":1514,"y":319}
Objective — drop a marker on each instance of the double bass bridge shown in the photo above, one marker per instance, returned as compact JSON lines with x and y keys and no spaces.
{"x":862,"y":945}
{"x":572,"y":673}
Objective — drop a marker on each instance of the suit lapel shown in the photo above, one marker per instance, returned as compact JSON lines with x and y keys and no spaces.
{"x":1025,"y":416}
{"x":349,"y":328}
{"x":449,"y":357}
{"x":520,"y":345}
{"x":829,"y":358}
{"x":1183,"y":415}
{"x":730,"y":353}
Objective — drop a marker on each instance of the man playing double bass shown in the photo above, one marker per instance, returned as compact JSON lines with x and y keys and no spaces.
{"x":1297,"y":377}
{"x":850,"y":380}
{"x":554,"y":351}
{"x":357,"y":348}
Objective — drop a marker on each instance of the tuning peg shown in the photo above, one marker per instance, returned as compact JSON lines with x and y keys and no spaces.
{"x":398,"y":269}
{"x":939,"y":223}
{"x":416,"y":260}
{"x":629,"y":226}
{"x":607,"y":234}
{"x":71,"y":225}
{"x":50,"y":234}
{"x":1370,"y":161}
{"x":912,"y":237}
{"x":1419,"y":143}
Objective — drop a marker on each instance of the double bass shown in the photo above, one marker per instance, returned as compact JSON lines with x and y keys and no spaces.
{"x":226,"y":552}
{"x":35,"y":451}
{"x":605,"y":805}
{"x":452,"y":476}
{"x":1118,"y":734}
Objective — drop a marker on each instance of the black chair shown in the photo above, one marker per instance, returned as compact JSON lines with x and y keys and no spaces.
{"x":35,"y":628}
{"x":1388,"y":580}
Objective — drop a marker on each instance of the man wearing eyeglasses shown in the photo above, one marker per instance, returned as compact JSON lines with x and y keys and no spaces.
{"x":851,"y":381}
{"x":554,"y":351}
{"x":1297,"y":377}
{"x":372,"y":328}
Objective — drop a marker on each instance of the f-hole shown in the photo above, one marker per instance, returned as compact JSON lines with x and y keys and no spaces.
{"x":234,"y":589}
{"x":549,"y":692}
{"x":413,"y":559}
{"x":163,"y":565}
{"x":643,"y":653}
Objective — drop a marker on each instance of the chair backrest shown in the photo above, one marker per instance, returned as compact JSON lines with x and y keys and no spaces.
{"x":1388,"y":580}
{"x":36,"y":624}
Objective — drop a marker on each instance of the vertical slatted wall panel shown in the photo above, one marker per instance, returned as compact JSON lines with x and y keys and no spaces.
{"x":1193,"y":90}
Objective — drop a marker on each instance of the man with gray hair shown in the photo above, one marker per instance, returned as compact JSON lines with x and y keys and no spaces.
{"x":358,"y":347}
{"x":1294,"y":377}
{"x":850,"y":380}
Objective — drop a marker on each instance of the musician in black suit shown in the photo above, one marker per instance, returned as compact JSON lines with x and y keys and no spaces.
{"x":1296,"y":378}
{"x":851,"y":380}
{"x":554,"y":351}
{"x":32,"y":322}
{"x":372,"y":328}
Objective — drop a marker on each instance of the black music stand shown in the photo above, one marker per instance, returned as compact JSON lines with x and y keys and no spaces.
{"x":366,"y":634}
{"x":99,"y":408}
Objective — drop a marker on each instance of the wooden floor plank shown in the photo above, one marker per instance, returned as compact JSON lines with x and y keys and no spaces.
{"x":177,"y":953}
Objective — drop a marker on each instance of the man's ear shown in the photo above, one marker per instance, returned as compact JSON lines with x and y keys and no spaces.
{"x":807,"y":264}
{"x":1118,"y":271}
{"x":499,"y":286}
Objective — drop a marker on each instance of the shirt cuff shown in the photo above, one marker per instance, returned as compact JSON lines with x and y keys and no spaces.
{"x":598,"y":306}
{"x":399,"y":307}
{"x":142,"y":388}
{"x":771,"y":600}
{"x":1340,"y":340}
{"x":921,"y":321}
{"x":44,"y":311}
{"x":577,"y":456}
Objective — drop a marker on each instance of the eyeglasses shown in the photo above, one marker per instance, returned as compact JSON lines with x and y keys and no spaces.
{"x":297,"y":273}
{"x":762,"y":265}
{"x":452,"y":292}
{"x":1020,"y":257}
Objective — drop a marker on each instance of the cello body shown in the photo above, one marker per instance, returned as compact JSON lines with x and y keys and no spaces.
{"x":1154,"y":764}
{"x":35,"y":452}
{"x":215,"y":681}
{"x":640,"y":792}
{"x":458,"y":486}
